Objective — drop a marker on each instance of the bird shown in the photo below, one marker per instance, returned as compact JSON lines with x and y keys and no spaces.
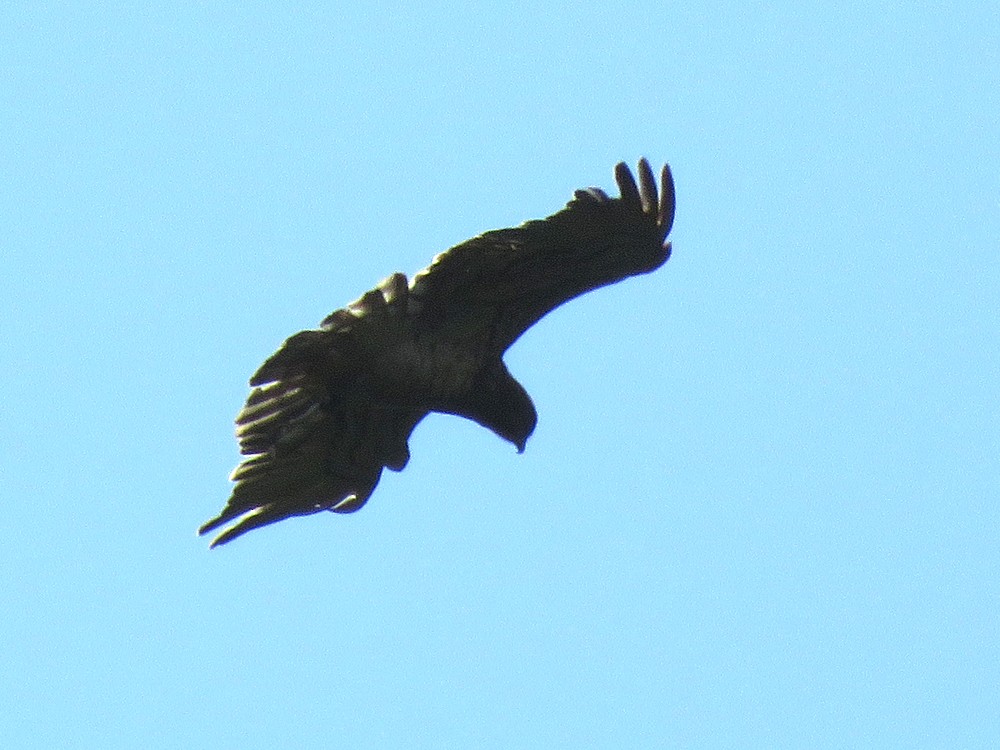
{"x":336,"y":405}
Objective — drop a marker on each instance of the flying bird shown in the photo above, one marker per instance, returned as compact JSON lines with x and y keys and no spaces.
{"x":336,"y":405}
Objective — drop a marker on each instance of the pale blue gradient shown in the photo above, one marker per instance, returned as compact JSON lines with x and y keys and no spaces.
{"x":761,"y":505}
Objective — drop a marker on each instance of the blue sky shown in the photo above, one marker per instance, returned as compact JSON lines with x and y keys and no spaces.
{"x":760,"y":508}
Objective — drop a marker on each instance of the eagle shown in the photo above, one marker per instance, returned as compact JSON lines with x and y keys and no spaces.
{"x":334,"y":406}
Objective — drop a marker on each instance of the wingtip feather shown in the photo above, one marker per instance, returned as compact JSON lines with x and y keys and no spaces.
{"x":626,"y":183}
{"x":667,"y":200}
{"x":647,"y":187}
{"x":257,"y":517}
{"x":211,"y":525}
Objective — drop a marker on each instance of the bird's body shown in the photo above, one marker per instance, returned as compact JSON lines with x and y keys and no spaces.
{"x":334,"y":406}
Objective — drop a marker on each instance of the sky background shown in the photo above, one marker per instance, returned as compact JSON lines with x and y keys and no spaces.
{"x":760,"y":508}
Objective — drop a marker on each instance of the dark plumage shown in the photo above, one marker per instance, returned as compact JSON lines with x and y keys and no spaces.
{"x":334,"y":406}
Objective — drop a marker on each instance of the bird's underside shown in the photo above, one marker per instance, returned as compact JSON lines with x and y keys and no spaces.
{"x":336,"y":405}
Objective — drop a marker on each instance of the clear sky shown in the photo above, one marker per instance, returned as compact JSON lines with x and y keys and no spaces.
{"x":760,"y":508}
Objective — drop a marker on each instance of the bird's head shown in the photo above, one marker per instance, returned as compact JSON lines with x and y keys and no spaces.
{"x":518,"y":422}
{"x":501,"y":404}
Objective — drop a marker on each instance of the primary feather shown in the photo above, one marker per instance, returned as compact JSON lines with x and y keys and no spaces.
{"x":334,"y":406}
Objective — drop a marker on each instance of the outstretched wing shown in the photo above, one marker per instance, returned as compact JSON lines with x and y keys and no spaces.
{"x":314,"y":432}
{"x":489,"y":290}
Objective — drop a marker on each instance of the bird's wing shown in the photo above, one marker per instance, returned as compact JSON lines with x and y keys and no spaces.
{"x":490,"y":289}
{"x":314,"y":432}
